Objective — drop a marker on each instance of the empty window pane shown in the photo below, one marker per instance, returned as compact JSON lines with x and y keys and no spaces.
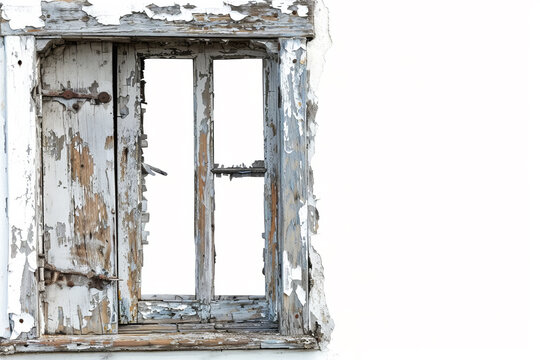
{"x":169,"y":257}
{"x":239,"y":224}
{"x":238,"y":111}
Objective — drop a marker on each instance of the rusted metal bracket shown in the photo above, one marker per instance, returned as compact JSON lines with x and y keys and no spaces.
{"x":257,"y":169}
{"x":102,"y":97}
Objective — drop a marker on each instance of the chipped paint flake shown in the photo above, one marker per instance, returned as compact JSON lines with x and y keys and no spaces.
{"x":290,"y":274}
{"x":109,"y":13}
{"x":22,"y":13}
{"x":22,"y":323}
{"x":300,"y":295}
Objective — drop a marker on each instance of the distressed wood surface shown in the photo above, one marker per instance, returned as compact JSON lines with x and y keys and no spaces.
{"x":129,"y":195}
{"x":204,"y":179}
{"x":174,"y":341}
{"x":186,"y":311}
{"x":293,"y":213}
{"x":22,"y":181}
{"x":271,"y":185}
{"x":258,"y":20}
{"x":79,"y":193}
{"x":5,"y":330}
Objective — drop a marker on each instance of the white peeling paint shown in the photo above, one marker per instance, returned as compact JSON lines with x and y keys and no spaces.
{"x":21,"y":323}
{"x":284,"y":6}
{"x":22,"y":13}
{"x":300,"y":295}
{"x":303,"y":215}
{"x":290,"y":274}
{"x":109,"y":12}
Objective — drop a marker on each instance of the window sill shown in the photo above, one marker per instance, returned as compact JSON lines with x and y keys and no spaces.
{"x":157,"y":342}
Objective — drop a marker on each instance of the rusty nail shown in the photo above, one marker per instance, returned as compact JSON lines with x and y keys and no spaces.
{"x":75,"y":106}
{"x":104,"y":97}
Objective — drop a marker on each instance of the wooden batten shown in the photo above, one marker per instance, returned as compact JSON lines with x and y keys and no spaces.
{"x":261,"y":20}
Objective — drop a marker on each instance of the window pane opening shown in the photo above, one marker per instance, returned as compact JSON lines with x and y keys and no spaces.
{"x":238,"y":112}
{"x":239,"y":225}
{"x":169,"y":256}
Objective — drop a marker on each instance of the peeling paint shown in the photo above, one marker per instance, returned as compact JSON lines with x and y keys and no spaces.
{"x":22,"y":13}
{"x":22,"y":323}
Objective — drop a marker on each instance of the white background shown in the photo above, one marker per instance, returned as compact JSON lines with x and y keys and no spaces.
{"x":428,"y":173}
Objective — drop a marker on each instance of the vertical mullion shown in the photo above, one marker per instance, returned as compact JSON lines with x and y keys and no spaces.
{"x":204,"y":178}
{"x":271,"y":177}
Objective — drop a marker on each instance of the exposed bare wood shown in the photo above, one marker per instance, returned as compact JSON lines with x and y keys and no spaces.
{"x":191,"y":310}
{"x":128,"y":174}
{"x":272,"y":268}
{"x":204,"y":179}
{"x":174,"y":341}
{"x":293,"y":215}
{"x":261,"y":20}
{"x":79,"y":195}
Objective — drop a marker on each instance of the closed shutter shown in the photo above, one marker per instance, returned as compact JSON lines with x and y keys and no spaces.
{"x":79,"y":267}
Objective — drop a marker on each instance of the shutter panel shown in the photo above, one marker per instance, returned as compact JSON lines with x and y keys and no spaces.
{"x":79,"y":192}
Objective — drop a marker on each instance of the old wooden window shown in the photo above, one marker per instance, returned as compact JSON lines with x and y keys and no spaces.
{"x":78,"y":256}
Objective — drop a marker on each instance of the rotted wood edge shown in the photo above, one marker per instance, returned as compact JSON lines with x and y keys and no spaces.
{"x":261,"y":20}
{"x":161,"y":342}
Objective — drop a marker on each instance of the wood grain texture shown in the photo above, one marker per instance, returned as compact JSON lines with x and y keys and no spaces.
{"x":129,"y":196}
{"x":79,"y":193}
{"x":204,"y":179}
{"x":293,"y":217}
{"x":154,"y":342}
{"x":192,"y":311}
{"x":271,"y":184}
{"x":22,"y":181}
{"x":261,"y":19}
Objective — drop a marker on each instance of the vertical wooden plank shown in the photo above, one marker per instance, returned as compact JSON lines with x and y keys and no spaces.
{"x":79,"y":193}
{"x":128,"y":174}
{"x":271,"y":185}
{"x":204,"y":179}
{"x":5,"y":331}
{"x":22,"y":153}
{"x":293,"y":219}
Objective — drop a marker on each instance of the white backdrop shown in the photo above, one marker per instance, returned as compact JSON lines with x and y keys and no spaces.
{"x":427,"y":168}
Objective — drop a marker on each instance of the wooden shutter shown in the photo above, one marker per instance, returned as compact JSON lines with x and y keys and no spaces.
{"x":79,"y":192}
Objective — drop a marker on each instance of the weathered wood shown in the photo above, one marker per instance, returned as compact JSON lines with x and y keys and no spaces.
{"x":204,"y":179}
{"x":264,"y":19}
{"x":191,"y":310}
{"x":174,"y":341}
{"x":79,"y":195}
{"x":271,"y":185}
{"x":128,"y":174}
{"x":22,"y":182}
{"x":293,"y":213}
{"x":5,"y":330}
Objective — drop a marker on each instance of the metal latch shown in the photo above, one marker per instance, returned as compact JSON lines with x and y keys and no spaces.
{"x":102,"y":97}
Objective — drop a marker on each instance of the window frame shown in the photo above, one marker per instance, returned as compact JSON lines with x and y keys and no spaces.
{"x":285,"y":29}
{"x":204,"y":307}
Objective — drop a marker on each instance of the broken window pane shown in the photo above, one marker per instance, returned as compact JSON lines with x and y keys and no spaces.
{"x":238,"y":111}
{"x":239,"y":224}
{"x":168,"y":123}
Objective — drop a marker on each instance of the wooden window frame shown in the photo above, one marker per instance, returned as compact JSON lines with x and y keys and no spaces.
{"x":283,"y":33}
{"x":204,"y":307}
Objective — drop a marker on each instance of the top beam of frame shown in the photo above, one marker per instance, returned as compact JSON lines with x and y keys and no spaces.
{"x":261,"y":19}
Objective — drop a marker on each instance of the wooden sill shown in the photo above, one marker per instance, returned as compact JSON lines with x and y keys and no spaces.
{"x":160,"y":342}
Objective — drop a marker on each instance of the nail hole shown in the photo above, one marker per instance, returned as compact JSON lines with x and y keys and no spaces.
{"x":21,"y":321}
{"x":19,"y":62}
{"x":295,"y":12}
{"x":294,"y":61}
{"x":296,"y":316}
